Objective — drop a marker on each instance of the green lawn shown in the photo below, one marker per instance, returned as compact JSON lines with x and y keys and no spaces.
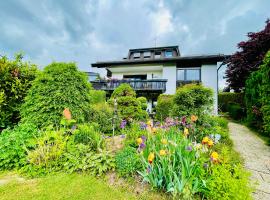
{"x":65,"y":186}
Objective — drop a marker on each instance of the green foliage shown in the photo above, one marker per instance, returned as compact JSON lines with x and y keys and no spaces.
{"x":257,"y":97}
{"x":97,"y":96}
{"x":225,"y":98}
{"x":81,"y":159}
{"x":128,"y":106}
{"x":69,"y":150}
{"x":265,"y":93}
{"x":143,"y":102}
{"x":49,"y":149}
{"x":252,"y":99}
{"x":192,"y":99}
{"x":127,"y":161}
{"x":14,"y":144}
{"x":16,"y":79}
{"x":228,"y":182}
{"x":236,"y":111}
{"x":164,"y":106}
{"x":102,"y":114}
{"x":87,"y":134}
{"x":123,"y":90}
{"x":180,"y":171}
{"x":59,"y":86}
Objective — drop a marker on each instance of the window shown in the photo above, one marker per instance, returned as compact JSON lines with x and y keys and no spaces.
{"x":147,"y":54}
{"x":136,"y":55}
{"x":181,"y":74}
{"x":168,"y":54}
{"x":189,"y":74}
{"x":192,"y":74}
{"x":157,"y":55}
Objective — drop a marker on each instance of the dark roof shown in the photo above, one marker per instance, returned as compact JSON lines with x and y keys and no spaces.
{"x":176,"y":48}
{"x":181,"y":59}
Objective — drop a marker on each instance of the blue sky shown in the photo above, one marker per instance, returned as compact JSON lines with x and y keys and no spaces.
{"x":87,"y":31}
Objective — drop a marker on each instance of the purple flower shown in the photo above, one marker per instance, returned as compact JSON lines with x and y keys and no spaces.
{"x":73,"y":127}
{"x":122,"y":136}
{"x":205,"y":165}
{"x":123,"y":124}
{"x":143,"y":138}
{"x":189,"y":148}
{"x":143,"y":125}
{"x":141,"y":147}
{"x":157,"y":123}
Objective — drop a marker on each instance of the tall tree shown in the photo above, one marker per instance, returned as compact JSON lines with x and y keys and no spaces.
{"x":248,"y":58}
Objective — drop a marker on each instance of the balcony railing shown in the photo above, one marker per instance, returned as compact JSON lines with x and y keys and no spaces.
{"x":158,"y":85}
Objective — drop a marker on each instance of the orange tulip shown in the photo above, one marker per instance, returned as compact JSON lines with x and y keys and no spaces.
{"x":194,"y":118}
{"x":67,"y":114}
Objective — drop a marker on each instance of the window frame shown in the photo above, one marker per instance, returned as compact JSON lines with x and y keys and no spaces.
{"x":185,"y":74}
{"x":166,"y":51}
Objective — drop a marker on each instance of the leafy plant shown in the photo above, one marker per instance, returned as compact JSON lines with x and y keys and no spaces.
{"x":102,"y":114}
{"x":164,"y":106}
{"x":16,"y":79}
{"x":225,"y":98}
{"x":14,"y":144}
{"x":171,"y":163}
{"x":228,"y":182}
{"x":127,"y":161}
{"x":87,"y":134}
{"x":59,"y":86}
{"x":192,"y":99}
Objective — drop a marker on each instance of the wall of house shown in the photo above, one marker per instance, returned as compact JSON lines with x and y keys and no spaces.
{"x":169,"y":73}
{"x":209,"y":79}
{"x":150,"y":71}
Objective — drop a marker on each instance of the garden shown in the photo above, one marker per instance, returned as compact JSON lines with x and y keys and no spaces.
{"x":58,"y":132}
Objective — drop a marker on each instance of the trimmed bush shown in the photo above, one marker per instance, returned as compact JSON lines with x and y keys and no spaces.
{"x":59,"y":86}
{"x":16,"y":79}
{"x":143,"y":102}
{"x":164,"y":106}
{"x":192,"y":99}
{"x":128,"y":106}
{"x":224,"y":98}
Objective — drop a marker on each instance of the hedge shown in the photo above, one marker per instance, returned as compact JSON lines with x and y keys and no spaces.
{"x":225,"y":98}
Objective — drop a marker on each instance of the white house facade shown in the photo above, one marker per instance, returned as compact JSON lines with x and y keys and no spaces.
{"x":153,"y":71}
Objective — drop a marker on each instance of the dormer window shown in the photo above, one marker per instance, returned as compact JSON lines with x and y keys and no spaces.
{"x":147,"y":54}
{"x":136,"y":55}
{"x":157,"y":55}
{"x":168,"y":54}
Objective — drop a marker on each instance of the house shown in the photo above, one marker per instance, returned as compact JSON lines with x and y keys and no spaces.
{"x":153,"y":71}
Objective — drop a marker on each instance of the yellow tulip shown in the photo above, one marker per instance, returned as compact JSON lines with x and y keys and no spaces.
{"x":186,"y":132}
{"x":164,"y":141}
{"x":205,"y":140}
{"x":162,"y":152}
{"x":151,"y":157}
{"x":214,"y":156}
{"x":139,"y":141}
{"x":210,"y":143}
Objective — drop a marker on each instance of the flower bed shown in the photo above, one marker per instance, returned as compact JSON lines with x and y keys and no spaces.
{"x":183,"y":157}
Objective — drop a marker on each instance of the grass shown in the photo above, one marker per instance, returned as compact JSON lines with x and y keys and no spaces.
{"x":65,"y":187}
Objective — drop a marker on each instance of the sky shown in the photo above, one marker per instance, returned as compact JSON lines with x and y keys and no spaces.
{"x":86,"y":31}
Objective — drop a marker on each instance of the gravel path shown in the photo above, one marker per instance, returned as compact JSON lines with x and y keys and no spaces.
{"x":256,"y":155}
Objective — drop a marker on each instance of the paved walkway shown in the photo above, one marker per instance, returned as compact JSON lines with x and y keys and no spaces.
{"x":256,"y":155}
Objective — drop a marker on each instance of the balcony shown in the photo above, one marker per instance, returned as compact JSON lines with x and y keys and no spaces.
{"x":153,"y":85}
{"x":181,"y":83}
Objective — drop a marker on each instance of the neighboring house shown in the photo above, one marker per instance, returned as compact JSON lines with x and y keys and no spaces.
{"x":153,"y":71}
{"x":92,"y":76}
